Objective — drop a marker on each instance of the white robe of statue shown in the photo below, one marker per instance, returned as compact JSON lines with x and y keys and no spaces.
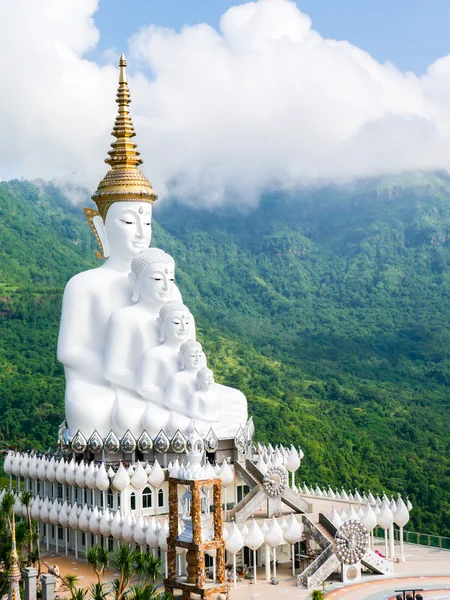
{"x":182,"y":385}
{"x":134,"y":329}
{"x":203,"y":407}
{"x":89,"y":300}
{"x":216,"y":406}
{"x":161,"y":362}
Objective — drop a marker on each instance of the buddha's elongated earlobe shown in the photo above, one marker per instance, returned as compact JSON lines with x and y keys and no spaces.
{"x":98,"y":229}
{"x":162,"y":337}
{"x":99,"y":225}
{"x":134,"y":285}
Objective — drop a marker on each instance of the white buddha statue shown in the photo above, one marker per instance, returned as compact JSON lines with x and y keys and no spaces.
{"x":89,"y":300}
{"x":159,"y":363}
{"x":203,"y":405}
{"x":182,"y":385}
{"x":122,"y":227}
{"x":134,"y":329}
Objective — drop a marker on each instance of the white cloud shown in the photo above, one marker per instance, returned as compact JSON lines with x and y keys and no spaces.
{"x":264,"y":102}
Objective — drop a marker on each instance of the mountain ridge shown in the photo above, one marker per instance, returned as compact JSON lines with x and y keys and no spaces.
{"x":327,"y":307}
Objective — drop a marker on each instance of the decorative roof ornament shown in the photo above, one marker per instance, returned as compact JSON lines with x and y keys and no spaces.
{"x":211,"y":441}
{"x":144,"y":443}
{"x":162,"y":443}
{"x":14,"y":568}
{"x":112,"y":443}
{"x":124,"y":182}
{"x":240,"y":440}
{"x":79,"y":443}
{"x":178,"y":442}
{"x":128,"y":443}
{"x":95,"y":443}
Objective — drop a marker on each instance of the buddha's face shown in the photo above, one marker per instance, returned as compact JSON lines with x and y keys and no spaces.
{"x":205,"y":380}
{"x":176,"y":326}
{"x":128,"y":228}
{"x":194,"y":359}
{"x":156,"y":283}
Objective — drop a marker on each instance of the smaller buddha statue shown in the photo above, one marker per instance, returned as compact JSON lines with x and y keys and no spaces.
{"x":182,"y":385}
{"x":134,"y":329}
{"x":161,"y":362}
{"x":204,"y":406}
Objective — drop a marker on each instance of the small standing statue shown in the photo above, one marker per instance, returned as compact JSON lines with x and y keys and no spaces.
{"x":204,"y":402}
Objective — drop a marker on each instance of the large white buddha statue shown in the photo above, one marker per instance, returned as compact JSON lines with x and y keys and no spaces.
{"x":182,"y":385}
{"x":159,"y":363}
{"x":122,"y":227}
{"x":134,"y":329}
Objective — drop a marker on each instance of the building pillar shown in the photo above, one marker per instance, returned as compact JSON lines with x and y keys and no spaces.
{"x":48,"y":586}
{"x":29,"y":576}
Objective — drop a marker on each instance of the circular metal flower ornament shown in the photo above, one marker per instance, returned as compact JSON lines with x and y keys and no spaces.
{"x":352,"y":542}
{"x":275,"y":481}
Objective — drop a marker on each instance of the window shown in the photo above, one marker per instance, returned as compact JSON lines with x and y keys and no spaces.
{"x":242,"y":490}
{"x":110,"y":544}
{"x":60,"y":533}
{"x":133,"y":501}
{"x":160,"y":498}
{"x":53,"y":531}
{"x":60,"y":492}
{"x":83,"y":539}
{"x":147,"y":499}
{"x":38,"y":487}
{"x":110,"y":499}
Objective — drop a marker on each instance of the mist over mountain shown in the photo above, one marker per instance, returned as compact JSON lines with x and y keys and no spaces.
{"x":328,"y":307}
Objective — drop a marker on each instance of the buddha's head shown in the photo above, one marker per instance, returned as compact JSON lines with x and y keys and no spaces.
{"x":205,"y":379}
{"x":124,"y":229}
{"x":174,"y":321}
{"x":191,"y":356}
{"x":152,"y":277}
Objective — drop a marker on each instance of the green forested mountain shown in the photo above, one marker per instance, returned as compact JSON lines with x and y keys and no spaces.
{"x":328,"y":307}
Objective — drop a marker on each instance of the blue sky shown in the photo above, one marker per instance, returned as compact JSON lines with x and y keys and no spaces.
{"x":265,"y":104}
{"x":410,"y":33}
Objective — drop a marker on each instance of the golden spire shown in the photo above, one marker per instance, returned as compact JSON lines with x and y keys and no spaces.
{"x":14,"y":568}
{"x":124,"y":182}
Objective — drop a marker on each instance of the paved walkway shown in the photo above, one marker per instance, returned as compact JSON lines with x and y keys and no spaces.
{"x":426,"y":568}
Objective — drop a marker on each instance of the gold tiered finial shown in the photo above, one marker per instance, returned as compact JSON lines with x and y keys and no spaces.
{"x":14,"y":568}
{"x":124,"y":182}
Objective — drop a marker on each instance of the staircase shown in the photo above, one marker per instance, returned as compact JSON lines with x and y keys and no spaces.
{"x":248,"y":505}
{"x":320,"y":569}
{"x":295,"y":501}
{"x":376,"y":563}
{"x":373,"y":561}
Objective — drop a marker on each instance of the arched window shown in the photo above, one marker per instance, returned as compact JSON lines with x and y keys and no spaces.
{"x":133,"y":501}
{"x":147,"y":499}
{"x":160,"y":498}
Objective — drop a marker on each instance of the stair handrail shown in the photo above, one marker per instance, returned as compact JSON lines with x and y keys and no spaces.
{"x":315,"y":565}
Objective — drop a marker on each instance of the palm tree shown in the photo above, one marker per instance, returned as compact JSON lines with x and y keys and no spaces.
{"x":125,"y":562}
{"x":98,"y":557}
{"x":78,"y":594}
{"x":148,"y":567}
{"x":70,"y":582}
{"x":33,"y":554}
{"x":6,"y":508}
{"x":98,"y":591}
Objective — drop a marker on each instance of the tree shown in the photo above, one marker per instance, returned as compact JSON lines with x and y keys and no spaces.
{"x":98,"y":557}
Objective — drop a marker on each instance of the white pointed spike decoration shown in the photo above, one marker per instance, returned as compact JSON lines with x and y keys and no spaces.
{"x":121,"y":479}
{"x":234,"y":543}
{"x":293,"y":534}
